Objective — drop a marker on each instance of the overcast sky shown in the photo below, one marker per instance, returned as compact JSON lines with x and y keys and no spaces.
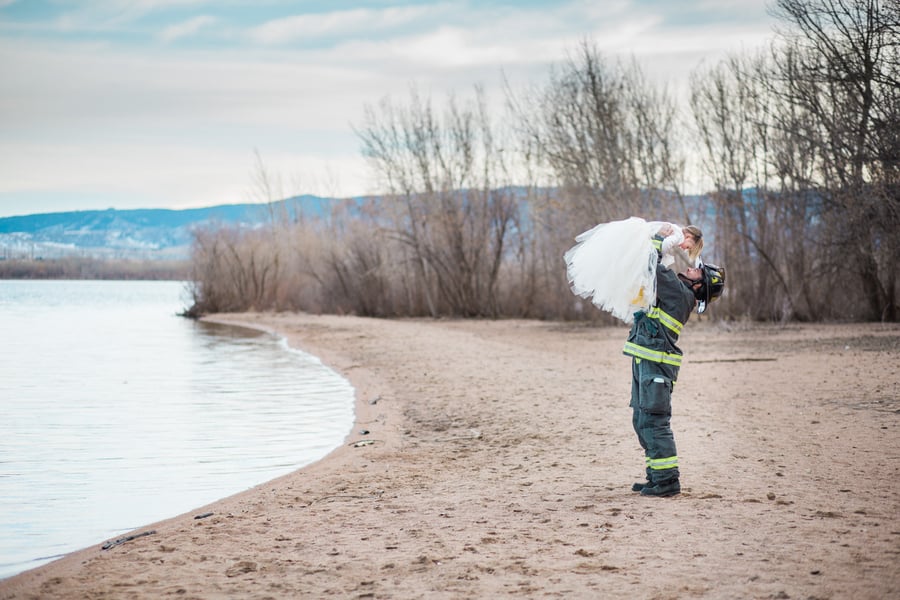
{"x":165,"y":103}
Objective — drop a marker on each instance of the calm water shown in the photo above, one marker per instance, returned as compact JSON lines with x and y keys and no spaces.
{"x":115,"y":413}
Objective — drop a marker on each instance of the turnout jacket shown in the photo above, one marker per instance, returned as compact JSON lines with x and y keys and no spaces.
{"x":654,"y":334}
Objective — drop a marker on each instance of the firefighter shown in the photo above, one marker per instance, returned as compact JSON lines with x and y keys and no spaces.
{"x":655,"y":362}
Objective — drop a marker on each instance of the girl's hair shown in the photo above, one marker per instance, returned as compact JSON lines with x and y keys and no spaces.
{"x":695,"y":233}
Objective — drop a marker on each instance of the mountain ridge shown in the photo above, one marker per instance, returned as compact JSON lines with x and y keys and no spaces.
{"x":142,"y":233}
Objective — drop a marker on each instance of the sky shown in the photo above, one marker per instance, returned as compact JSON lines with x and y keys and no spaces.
{"x":183,"y":103}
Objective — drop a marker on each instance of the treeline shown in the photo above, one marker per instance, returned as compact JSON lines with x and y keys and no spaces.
{"x":94,"y":268}
{"x":799,"y":145}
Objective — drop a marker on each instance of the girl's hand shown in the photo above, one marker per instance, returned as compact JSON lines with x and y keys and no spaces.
{"x":666,"y":230}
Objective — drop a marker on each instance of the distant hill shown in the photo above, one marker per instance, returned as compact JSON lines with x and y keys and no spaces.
{"x":139,"y":233}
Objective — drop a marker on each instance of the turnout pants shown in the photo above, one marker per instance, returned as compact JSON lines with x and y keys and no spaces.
{"x":651,"y":402}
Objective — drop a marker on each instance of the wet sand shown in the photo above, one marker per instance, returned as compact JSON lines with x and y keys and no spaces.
{"x":499,"y":462}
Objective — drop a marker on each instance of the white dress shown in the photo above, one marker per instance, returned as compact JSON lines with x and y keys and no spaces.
{"x":614,"y":264}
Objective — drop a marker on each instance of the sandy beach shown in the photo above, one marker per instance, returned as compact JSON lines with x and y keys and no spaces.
{"x":499,"y":460}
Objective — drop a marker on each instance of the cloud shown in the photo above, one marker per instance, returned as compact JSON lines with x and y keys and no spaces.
{"x":145,"y":92}
{"x":98,"y":17}
{"x":443,"y":48}
{"x":185,"y":28}
{"x":339,"y":23}
{"x":168,"y":173}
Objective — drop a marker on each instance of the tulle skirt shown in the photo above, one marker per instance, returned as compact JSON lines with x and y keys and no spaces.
{"x":614,"y":265}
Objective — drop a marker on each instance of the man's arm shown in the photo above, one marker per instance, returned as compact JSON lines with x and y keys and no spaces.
{"x":672,"y":237}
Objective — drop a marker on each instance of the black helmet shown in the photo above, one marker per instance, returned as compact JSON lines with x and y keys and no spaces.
{"x":713,"y":284}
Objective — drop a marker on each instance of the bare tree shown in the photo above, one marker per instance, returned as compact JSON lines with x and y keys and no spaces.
{"x":734,"y":115}
{"x":444,"y":174}
{"x":606,"y":135}
{"x":841,"y":68}
{"x":232,"y":270}
{"x":801,"y":148}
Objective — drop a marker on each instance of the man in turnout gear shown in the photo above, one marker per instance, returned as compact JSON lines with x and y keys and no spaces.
{"x":656,"y":360}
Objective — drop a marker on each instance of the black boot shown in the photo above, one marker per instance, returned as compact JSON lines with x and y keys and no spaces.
{"x":637,"y":487}
{"x":669,"y":488}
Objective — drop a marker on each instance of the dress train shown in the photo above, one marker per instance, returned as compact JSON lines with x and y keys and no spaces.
{"x":614,"y":266}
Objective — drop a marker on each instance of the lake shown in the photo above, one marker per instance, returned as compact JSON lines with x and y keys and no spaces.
{"x":115,"y":412}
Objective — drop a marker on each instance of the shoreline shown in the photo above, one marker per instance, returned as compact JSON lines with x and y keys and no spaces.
{"x":366,"y":411}
{"x":501,"y":463}
{"x":111,"y":523}
{"x":364,"y":414}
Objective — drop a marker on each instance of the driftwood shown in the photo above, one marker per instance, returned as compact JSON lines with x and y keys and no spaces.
{"x":128,"y":538}
{"x":722,"y":360}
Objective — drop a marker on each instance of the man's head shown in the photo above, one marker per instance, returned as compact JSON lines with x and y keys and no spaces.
{"x":706,"y":281}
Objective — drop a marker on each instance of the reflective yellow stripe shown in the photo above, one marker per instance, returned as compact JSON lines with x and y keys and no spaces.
{"x":659,"y":464}
{"x":666,"y":319}
{"x":667,"y":358}
{"x":657,"y":244}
